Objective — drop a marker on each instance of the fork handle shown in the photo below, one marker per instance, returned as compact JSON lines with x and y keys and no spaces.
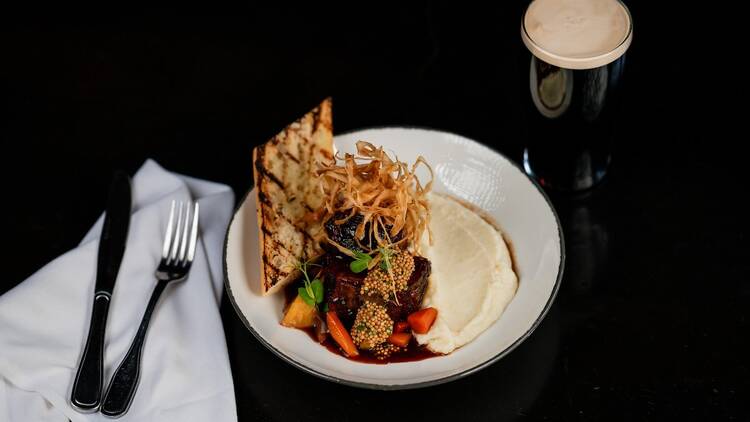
{"x":121,"y":390}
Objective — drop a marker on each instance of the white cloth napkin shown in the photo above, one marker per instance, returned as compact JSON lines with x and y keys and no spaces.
{"x":185,"y":373}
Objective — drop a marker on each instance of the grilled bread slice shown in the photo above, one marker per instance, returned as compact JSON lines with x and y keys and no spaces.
{"x":288,"y":194}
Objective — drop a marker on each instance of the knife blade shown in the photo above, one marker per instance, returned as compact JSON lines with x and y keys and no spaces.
{"x":87,"y":386}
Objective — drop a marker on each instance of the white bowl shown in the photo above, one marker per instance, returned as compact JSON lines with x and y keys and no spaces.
{"x":465,"y":169}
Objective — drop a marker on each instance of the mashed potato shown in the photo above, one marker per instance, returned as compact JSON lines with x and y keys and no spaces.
{"x":472,"y":278}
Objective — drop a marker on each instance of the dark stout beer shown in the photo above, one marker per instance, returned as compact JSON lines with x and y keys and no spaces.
{"x":574,"y":86}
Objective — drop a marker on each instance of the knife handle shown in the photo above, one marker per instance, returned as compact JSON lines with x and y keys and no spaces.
{"x":87,"y":387}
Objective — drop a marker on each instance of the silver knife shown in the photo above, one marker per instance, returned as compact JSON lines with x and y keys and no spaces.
{"x":87,"y":387}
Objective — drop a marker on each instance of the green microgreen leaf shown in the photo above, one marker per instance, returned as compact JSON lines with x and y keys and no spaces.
{"x":317,"y":289}
{"x":362,"y":255}
{"x":305,"y":296}
{"x":360,"y":263}
{"x":357,"y":266}
{"x":312,"y":292}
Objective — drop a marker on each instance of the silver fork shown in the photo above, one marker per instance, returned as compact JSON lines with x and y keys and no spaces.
{"x":177,"y":255}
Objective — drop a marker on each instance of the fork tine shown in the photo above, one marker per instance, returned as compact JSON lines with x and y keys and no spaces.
{"x":184,"y":238}
{"x":168,"y":234}
{"x":177,"y":238}
{"x":193,"y":235}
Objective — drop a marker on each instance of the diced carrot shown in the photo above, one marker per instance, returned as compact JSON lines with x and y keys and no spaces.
{"x":339,"y":333}
{"x":400,"y":339}
{"x":421,"y":321}
{"x":400,"y":327}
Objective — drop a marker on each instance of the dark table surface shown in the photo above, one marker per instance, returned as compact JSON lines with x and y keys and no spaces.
{"x":651,"y":321}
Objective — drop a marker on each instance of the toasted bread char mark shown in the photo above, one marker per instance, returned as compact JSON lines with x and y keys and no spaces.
{"x":265,"y":173}
{"x":291,"y":157}
{"x":287,"y":190}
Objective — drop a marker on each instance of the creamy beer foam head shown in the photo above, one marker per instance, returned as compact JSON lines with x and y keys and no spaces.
{"x":577,"y":34}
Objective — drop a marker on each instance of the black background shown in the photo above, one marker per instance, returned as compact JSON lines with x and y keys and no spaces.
{"x":651,"y":322}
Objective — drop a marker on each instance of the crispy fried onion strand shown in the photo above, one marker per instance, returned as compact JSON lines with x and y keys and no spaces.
{"x":386,"y":192}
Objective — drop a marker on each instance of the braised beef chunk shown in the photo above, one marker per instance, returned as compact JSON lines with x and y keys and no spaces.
{"x":341,"y":287}
{"x":344,"y":234}
{"x":410,"y":300}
